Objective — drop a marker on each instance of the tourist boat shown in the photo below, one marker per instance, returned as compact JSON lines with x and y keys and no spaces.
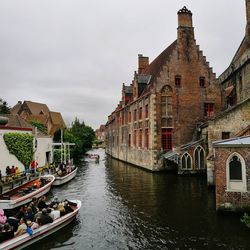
{"x":22,"y":241}
{"x":93,"y":157}
{"x":59,"y":180}
{"x":24,"y":193}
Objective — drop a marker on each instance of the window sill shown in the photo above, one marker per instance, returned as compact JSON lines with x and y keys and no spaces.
{"x":235,"y":191}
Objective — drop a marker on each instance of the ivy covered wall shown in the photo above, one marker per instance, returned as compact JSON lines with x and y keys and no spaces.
{"x":20,"y":145}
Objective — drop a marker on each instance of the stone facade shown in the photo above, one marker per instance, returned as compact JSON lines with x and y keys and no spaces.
{"x":235,"y":86}
{"x":160,"y":110}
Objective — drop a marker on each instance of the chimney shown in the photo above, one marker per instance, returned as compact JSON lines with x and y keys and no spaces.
{"x":142,"y":63}
{"x":185,"y":18}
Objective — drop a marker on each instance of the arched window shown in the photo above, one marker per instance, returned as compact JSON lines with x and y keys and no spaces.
{"x":186,"y":161}
{"x":236,"y":173}
{"x":199,"y":156}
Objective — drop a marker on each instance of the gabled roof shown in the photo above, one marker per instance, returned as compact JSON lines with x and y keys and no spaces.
{"x":56,"y":119}
{"x":15,"y":109}
{"x":37,"y":108}
{"x":234,"y":142}
{"x":15,"y":121}
{"x":155,"y":66}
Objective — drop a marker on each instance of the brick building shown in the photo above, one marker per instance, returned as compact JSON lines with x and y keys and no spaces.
{"x":34,"y":111}
{"x":232,"y":171}
{"x":234,"y":119}
{"x":154,"y":125}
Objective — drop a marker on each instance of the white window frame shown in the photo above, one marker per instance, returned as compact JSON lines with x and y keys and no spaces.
{"x":236,"y":185}
{"x":186,"y":155}
{"x":199,"y":149}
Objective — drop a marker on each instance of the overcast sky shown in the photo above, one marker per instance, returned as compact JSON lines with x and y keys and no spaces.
{"x":74,"y":55}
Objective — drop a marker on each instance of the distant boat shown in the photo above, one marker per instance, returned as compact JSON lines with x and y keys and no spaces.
{"x":22,"y":241}
{"x":59,"y":180}
{"x":24,"y":193}
{"x":93,"y":157}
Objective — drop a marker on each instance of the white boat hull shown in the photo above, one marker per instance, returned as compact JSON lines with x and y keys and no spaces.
{"x":25,"y":240}
{"x":64,"y":179}
{"x":10,"y":204}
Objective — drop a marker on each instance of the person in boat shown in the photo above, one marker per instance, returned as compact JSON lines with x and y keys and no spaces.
{"x":22,"y":228}
{"x":61,"y":209}
{"x":33,"y":166}
{"x":45,"y":218}
{"x":33,"y":205}
{"x":3,"y":218}
{"x":13,"y":220}
{"x":13,"y":171}
{"x":29,"y":215}
{"x":55,"y":213}
{"x":29,"y":225}
{"x":67,"y":207}
{"x":17,"y":171}
{"x":6,"y":233}
{"x":41,"y":203}
{"x":7,"y":171}
{"x":36,"y":224}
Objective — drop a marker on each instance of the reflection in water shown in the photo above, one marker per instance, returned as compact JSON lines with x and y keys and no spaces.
{"x":124,"y":207}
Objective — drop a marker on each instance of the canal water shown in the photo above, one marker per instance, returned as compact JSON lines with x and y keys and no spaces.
{"x":124,"y":207}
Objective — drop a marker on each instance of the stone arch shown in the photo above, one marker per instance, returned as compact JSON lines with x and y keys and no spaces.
{"x":186,"y":161}
{"x":199,"y":157}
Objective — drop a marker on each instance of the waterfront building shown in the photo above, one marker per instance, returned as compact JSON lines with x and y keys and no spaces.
{"x":154,"y":124}
{"x":42,"y":143}
{"x":33,"y":111}
{"x":234,"y":120}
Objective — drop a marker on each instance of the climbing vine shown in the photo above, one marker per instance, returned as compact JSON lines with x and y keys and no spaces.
{"x":20,"y":145}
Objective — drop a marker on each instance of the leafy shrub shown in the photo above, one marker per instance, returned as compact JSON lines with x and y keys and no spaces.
{"x":20,"y":145}
{"x":246,"y":220}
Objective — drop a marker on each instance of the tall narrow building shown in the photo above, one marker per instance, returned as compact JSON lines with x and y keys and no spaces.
{"x":160,"y":111}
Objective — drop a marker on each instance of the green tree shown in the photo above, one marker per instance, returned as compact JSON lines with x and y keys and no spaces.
{"x":39,"y":126}
{"x":80,"y":134}
{"x":4,"y":107}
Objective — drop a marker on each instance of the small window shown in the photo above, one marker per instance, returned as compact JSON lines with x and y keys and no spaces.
{"x":129,"y":116}
{"x":146,"y":111}
{"x":208,"y":109}
{"x":202,"y":82}
{"x":225,"y":135}
{"x":140,"y":113}
{"x":177,"y":81}
{"x":146,"y":139}
{"x":135,"y":114}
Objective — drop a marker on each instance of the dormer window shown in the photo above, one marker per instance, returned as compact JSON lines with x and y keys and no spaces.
{"x":178,"y":81}
{"x":202,"y":82}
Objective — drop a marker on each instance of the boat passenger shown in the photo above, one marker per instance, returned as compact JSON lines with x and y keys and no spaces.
{"x":45,"y":218}
{"x":41,"y":203}
{"x":22,"y":228}
{"x":13,"y":170}
{"x":3,"y":218}
{"x":67,"y":207}
{"x":35,"y":224}
{"x":13,"y":220}
{"x":55,"y":213}
{"x":17,"y":171}
{"x":7,"y":171}
{"x":29,"y":229}
{"x":7,"y":232}
{"x":61,"y":209}
{"x":29,"y":215}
